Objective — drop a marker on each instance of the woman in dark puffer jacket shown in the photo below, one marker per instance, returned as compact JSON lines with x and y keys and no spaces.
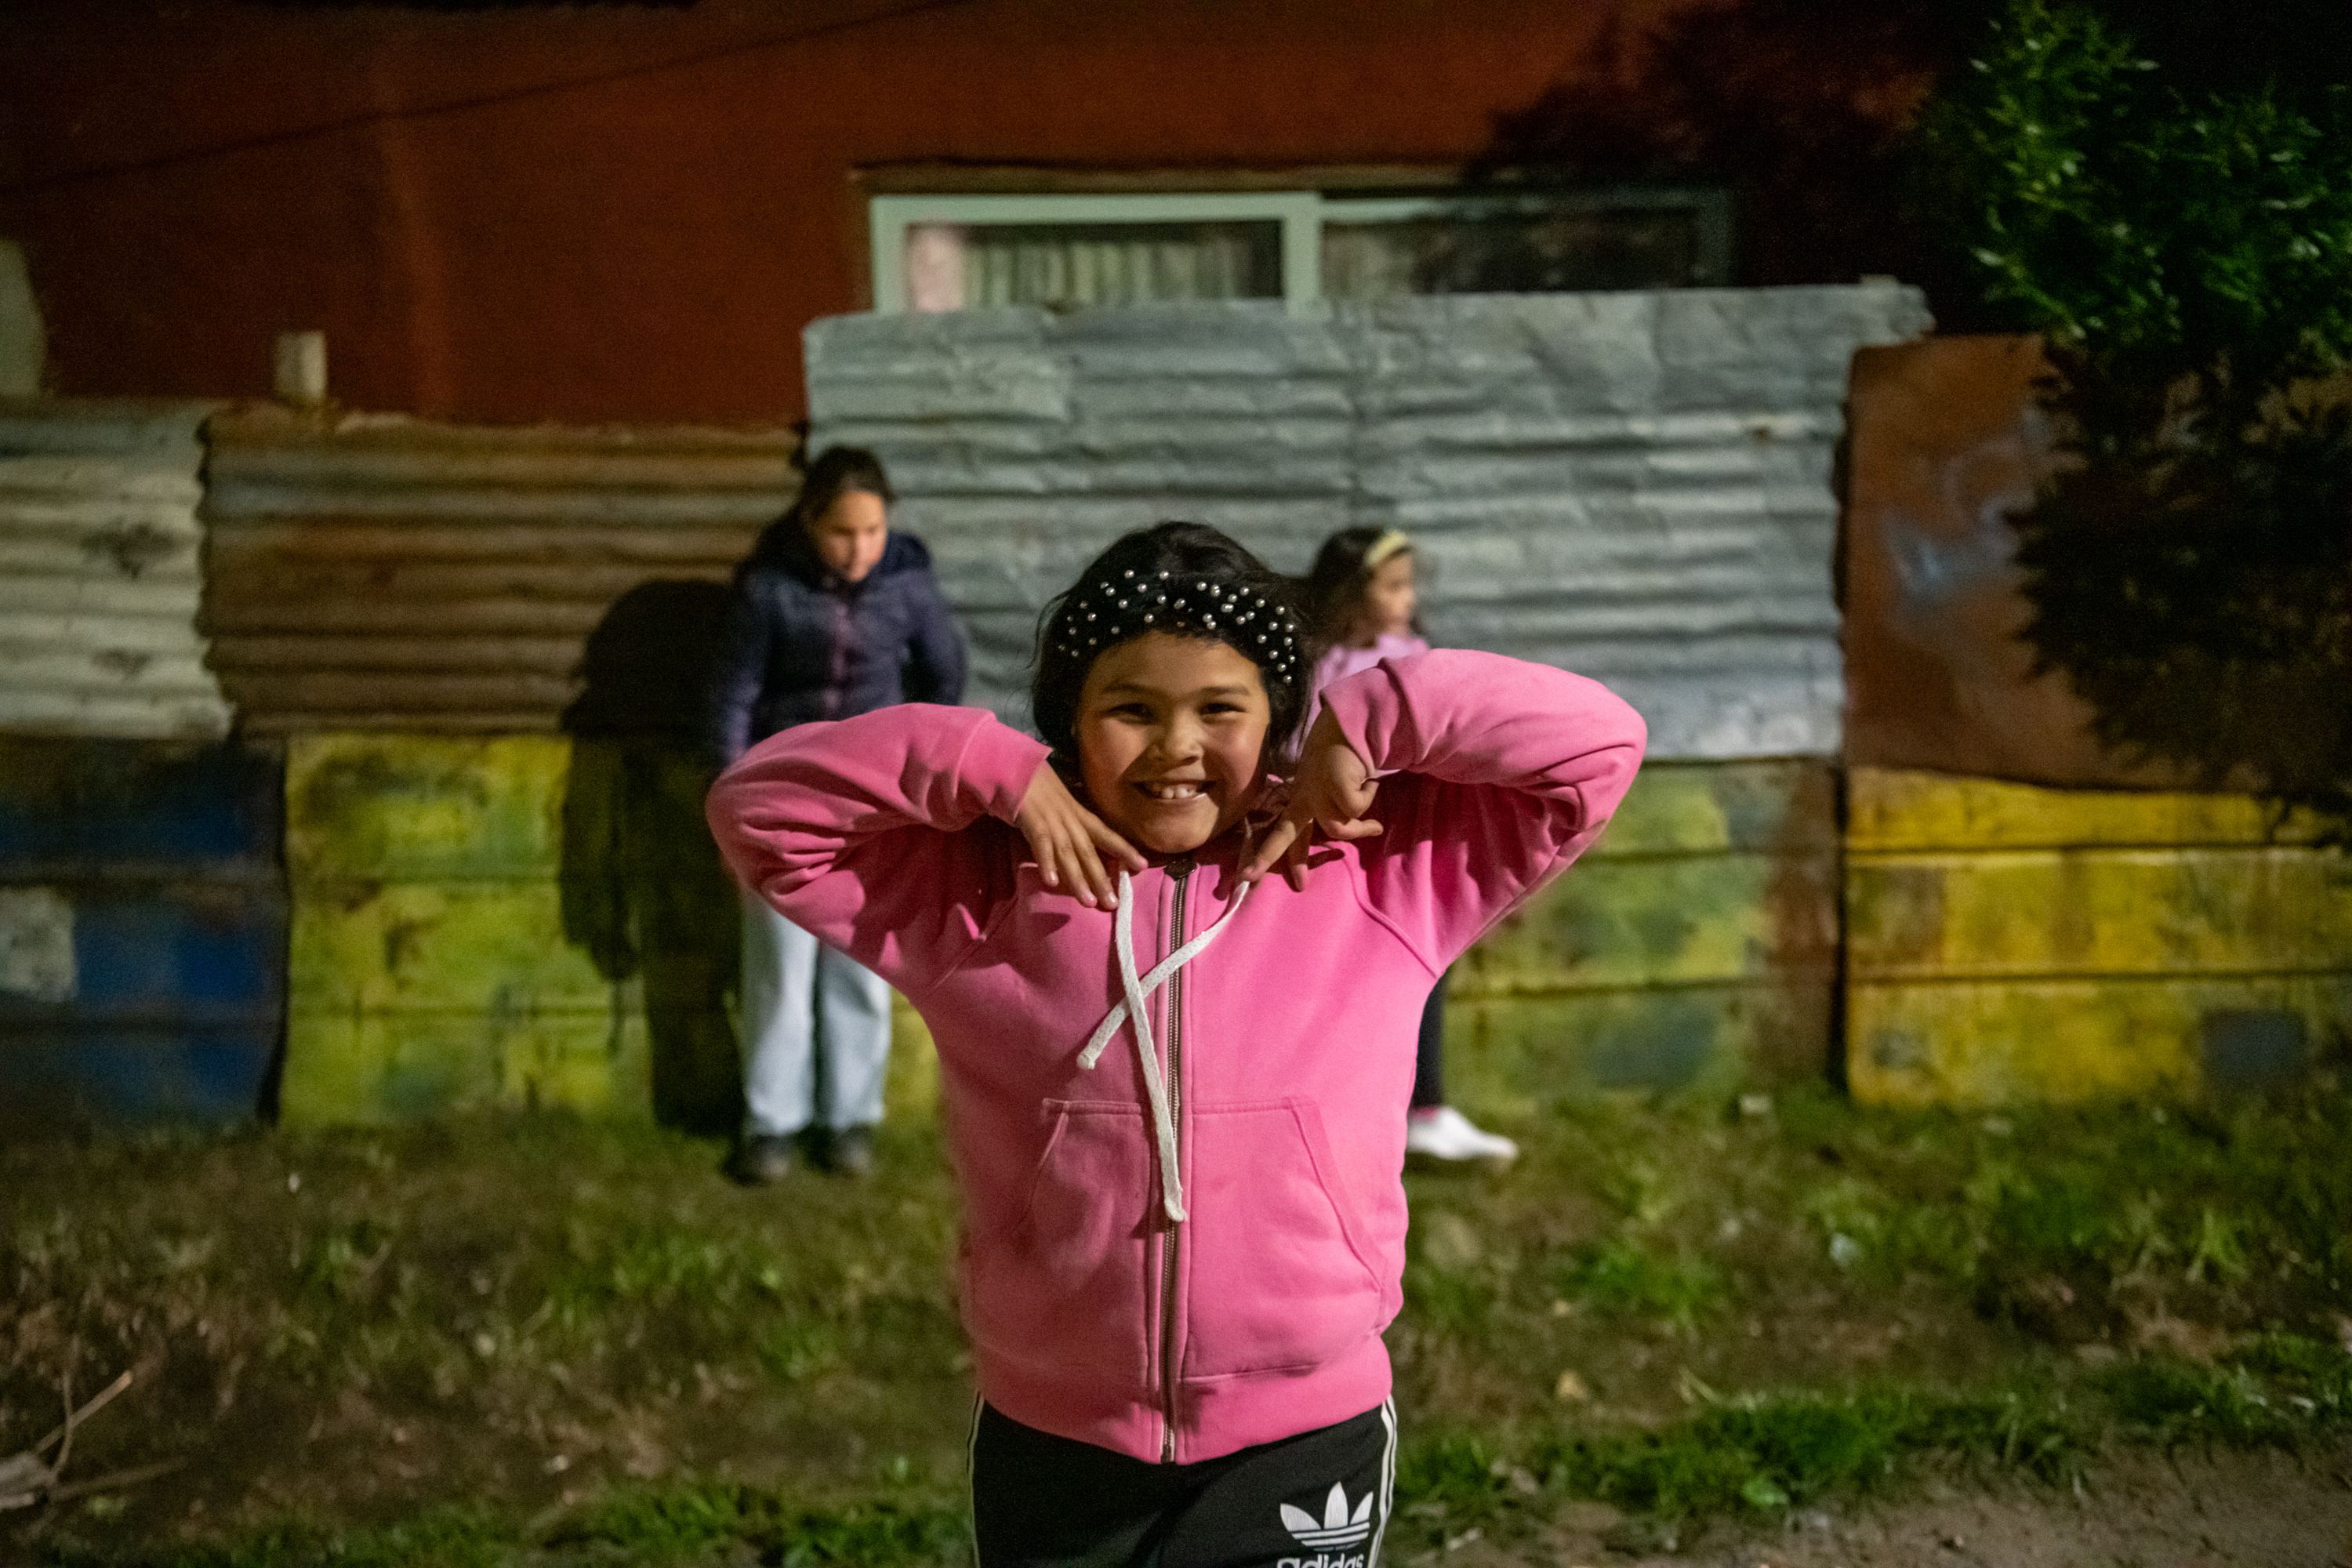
{"x":832,"y":615}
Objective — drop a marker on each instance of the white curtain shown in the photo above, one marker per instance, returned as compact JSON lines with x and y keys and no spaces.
{"x":961,"y":266}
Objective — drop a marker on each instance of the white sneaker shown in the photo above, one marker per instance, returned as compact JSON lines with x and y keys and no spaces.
{"x":1443,"y":1133}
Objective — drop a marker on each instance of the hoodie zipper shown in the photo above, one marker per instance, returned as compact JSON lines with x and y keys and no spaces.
{"x":1181,"y":874}
{"x":836,"y":675}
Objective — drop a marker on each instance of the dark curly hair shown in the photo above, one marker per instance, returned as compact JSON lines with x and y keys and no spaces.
{"x":1188,"y":579}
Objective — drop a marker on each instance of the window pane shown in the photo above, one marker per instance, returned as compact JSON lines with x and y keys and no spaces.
{"x":1097,"y":264}
{"x":935,"y":266}
{"x":1518,"y":253}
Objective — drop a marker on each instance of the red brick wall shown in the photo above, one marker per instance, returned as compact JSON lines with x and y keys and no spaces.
{"x":592,"y":213}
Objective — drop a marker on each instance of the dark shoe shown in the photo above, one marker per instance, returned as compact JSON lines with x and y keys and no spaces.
{"x":757,"y":1162}
{"x":850,"y":1152}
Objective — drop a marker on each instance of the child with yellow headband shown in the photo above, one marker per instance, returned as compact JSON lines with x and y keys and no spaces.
{"x":1362,"y":605}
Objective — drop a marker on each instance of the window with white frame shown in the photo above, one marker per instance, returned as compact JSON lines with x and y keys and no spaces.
{"x":971,"y":252}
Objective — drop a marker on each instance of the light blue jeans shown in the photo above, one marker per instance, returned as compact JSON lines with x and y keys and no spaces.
{"x":814,"y":1021}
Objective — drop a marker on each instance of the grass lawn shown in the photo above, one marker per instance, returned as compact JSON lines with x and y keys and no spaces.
{"x":536,"y":1340}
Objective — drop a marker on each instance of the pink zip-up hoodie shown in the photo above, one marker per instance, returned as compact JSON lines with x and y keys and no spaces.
{"x":1180,"y":1262}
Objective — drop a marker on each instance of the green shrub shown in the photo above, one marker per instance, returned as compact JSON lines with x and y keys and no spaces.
{"x":2186,"y":249}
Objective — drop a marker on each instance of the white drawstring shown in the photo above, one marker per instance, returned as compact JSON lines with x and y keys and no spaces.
{"x":1139,"y":990}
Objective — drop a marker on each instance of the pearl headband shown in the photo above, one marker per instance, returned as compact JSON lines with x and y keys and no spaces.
{"x":1113,"y":609}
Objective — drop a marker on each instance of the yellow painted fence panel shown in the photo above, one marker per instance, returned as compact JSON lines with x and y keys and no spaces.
{"x":2011,"y":943}
{"x":430,"y":966}
{"x":520,"y":920}
{"x":1890,"y":810}
{"x":542,"y":920}
{"x":416,"y":808}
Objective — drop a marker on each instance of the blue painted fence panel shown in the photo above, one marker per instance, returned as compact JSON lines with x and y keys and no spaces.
{"x":129,"y":1078}
{"x":78,"y":807}
{"x":142,"y":932}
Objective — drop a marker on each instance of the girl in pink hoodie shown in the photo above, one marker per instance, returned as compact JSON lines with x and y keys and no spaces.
{"x":1175,"y":1085}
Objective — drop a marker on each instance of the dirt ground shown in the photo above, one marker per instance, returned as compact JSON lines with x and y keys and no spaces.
{"x":2142,"y":1510}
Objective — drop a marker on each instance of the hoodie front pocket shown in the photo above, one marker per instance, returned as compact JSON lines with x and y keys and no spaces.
{"x":1064,"y":1293}
{"x":1277,"y":1279}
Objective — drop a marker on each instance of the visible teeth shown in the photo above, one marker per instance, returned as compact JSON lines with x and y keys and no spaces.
{"x":1172,"y":791}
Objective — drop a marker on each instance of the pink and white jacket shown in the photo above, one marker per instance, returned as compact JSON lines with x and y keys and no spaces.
{"x":1188,"y":1242}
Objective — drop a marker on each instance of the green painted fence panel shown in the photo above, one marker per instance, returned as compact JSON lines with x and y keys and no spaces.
{"x":417,"y":808}
{"x":521,"y":921}
{"x":542,"y":920}
{"x":1693,"y":947}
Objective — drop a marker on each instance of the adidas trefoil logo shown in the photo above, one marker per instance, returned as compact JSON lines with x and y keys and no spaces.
{"x":1339,"y":1528}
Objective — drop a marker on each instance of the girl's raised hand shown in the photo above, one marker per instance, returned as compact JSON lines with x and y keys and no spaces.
{"x":1071,"y":843}
{"x":1333,"y":792}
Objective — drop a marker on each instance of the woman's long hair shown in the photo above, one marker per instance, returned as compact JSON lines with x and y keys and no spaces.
{"x":837,"y":471}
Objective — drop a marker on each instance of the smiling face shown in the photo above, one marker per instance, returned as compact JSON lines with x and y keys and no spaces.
{"x":1171,"y":731}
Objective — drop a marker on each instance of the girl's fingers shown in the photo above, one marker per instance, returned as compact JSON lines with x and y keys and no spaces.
{"x":1086,"y":877}
{"x":1115,"y":846}
{"x":1073,"y":847}
{"x":1106,"y":852}
{"x":1055,"y":870}
{"x":1294,"y":864}
{"x":1292,"y":836}
{"x":1272,"y":847}
{"x":1061,"y":862}
{"x":1105,"y":865}
{"x":1080,"y":870}
{"x":1044,"y":809}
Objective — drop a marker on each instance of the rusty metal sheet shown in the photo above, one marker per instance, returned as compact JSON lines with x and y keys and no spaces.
{"x":2010,"y":942}
{"x":374,"y":572}
{"x":98,"y":571}
{"x":1946,"y":445}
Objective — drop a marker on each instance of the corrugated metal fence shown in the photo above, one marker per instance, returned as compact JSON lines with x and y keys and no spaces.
{"x":482,"y":648}
{"x":141,"y":911}
{"x":1633,"y":486}
{"x":1636,"y":486}
{"x":369,"y":571}
{"x":100,"y":570}
{"x":406,"y":580}
{"x":536,"y":920}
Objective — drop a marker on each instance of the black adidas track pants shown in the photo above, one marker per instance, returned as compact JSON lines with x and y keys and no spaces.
{"x":1317,"y":1500}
